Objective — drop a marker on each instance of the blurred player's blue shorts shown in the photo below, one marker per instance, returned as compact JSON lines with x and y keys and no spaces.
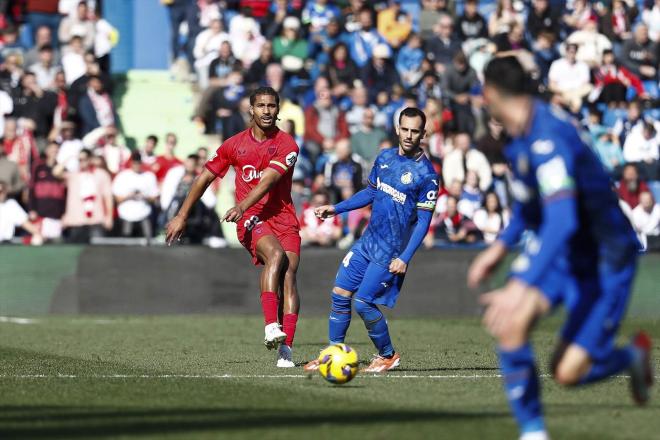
{"x":369,"y":281}
{"x":595,"y":301}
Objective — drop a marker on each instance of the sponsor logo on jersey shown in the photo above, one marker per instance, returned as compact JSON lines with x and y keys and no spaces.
{"x":250,"y":173}
{"x":406,"y":178}
{"x":291,"y":158}
{"x":396,"y":195}
{"x":553,"y":177}
{"x":543,"y":147}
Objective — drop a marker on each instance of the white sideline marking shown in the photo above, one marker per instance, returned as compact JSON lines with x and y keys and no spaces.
{"x":257,"y":376}
{"x":14,"y":320}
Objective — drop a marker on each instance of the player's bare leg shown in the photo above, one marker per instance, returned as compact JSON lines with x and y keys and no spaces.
{"x":289,"y":307}
{"x":273,"y":257}
{"x":572,"y":365}
{"x":340,"y":318}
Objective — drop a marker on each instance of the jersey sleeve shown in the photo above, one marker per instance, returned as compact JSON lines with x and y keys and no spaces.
{"x":373,"y":174}
{"x":553,"y":162}
{"x":428,"y":193}
{"x":219,"y":163}
{"x":285,"y":156}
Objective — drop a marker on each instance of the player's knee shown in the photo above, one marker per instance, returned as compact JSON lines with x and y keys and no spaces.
{"x":276,"y":258}
{"x":364,"y":309}
{"x":565,"y":374}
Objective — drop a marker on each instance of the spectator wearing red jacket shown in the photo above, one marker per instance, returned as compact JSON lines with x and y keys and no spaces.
{"x":325,"y":123}
{"x":167,"y":161}
{"x":631,"y":186}
{"x":612,"y":82}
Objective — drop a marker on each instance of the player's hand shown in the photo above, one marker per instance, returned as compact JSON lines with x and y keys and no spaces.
{"x":483,"y":265}
{"x":513,"y":305}
{"x":175,"y":229}
{"x":398,"y":266}
{"x":325,"y":211}
{"x":233,"y":215}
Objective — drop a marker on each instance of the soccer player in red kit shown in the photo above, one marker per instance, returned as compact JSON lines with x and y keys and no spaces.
{"x":263,"y":157}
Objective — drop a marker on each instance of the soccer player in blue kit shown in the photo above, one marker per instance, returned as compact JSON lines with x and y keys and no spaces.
{"x":402,"y":191}
{"x":582,"y":253}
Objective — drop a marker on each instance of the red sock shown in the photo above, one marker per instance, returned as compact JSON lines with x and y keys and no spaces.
{"x":269,"y":305}
{"x":289,"y":327}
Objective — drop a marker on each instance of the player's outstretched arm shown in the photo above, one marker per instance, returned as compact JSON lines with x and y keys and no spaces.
{"x":359,"y":200}
{"x":268,"y":180}
{"x":485,"y":263}
{"x":177,"y":225}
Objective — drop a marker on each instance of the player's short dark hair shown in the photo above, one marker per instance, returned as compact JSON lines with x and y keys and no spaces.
{"x":153,"y":138}
{"x":264,"y":91}
{"x":413,"y":112}
{"x":507,"y":75}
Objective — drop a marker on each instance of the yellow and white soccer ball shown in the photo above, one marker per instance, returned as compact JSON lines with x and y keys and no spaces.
{"x":338,"y":363}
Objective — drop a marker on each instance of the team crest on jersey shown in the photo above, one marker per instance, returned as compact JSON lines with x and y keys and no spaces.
{"x":272,"y":150}
{"x":242,"y":151}
{"x":406,"y":178}
{"x":291,"y":158}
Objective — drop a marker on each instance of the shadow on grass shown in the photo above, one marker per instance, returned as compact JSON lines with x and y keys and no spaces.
{"x":50,"y":422}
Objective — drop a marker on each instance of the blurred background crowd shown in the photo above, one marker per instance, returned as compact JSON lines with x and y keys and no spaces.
{"x":344,"y":70}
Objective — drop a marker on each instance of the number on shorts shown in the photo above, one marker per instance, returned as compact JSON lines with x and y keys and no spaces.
{"x":251,"y":222}
{"x":347,"y":259}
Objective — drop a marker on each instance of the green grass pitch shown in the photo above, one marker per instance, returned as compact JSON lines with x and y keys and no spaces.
{"x":210,"y":377}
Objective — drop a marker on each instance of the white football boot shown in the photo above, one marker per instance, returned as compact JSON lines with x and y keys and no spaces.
{"x":536,"y":435}
{"x":274,"y":336}
{"x":285,"y":357}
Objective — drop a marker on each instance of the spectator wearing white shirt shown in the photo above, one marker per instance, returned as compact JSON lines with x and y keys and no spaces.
{"x":13,"y":216}
{"x":207,"y":46}
{"x":642,"y":144}
{"x":105,"y":38}
{"x":46,"y":69}
{"x":591,"y":44}
{"x":569,"y":79}
{"x":147,"y":153}
{"x":73,"y":60}
{"x":646,"y":220}
{"x":491,"y":219}
{"x":135,"y":191}
{"x":462,"y":159}
{"x":70,"y":146}
{"x":103,"y":140}
{"x":78,"y":24}
{"x":6,"y":107}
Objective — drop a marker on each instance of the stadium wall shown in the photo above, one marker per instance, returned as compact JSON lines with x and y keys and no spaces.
{"x":155,"y":280}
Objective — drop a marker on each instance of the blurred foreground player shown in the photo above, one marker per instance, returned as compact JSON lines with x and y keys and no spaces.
{"x":263,"y":158}
{"x":402,"y":191}
{"x":582,"y":253}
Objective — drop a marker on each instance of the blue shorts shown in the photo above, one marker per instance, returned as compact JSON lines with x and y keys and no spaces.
{"x":595,"y":302}
{"x":370,"y":281}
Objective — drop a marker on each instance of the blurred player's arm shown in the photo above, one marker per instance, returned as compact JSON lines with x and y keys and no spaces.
{"x":177,"y":225}
{"x":268,"y":180}
{"x":487,"y":261}
{"x":359,"y":200}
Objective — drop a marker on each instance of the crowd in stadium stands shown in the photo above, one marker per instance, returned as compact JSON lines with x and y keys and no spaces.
{"x":344,"y":70}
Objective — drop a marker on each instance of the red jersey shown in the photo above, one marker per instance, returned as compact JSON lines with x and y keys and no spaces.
{"x":250,"y":158}
{"x":162,"y":165}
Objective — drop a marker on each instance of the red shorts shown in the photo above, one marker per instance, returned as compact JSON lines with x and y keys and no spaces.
{"x":287,"y":234}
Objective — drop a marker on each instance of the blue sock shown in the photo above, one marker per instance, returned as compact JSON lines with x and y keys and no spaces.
{"x":376,"y":327}
{"x":522,"y":387}
{"x":618,"y":360}
{"x":339,"y":319}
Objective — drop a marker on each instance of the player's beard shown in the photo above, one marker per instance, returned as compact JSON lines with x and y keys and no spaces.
{"x":257,"y":121}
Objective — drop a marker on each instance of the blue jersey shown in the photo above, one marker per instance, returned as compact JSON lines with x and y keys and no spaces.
{"x":403,"y":185}
{"x":563,"y":193}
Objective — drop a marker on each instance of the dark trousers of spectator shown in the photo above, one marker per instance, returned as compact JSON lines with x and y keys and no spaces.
{"x":229,"y":126}
{"x":613,"y":93}
{"x":145,"y":226}
{"x":463,"y":118}
{"x":178,"y":14}
{"x":37,"y":19}
{"x":104,"y":63}
{"x":84,"y":234}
